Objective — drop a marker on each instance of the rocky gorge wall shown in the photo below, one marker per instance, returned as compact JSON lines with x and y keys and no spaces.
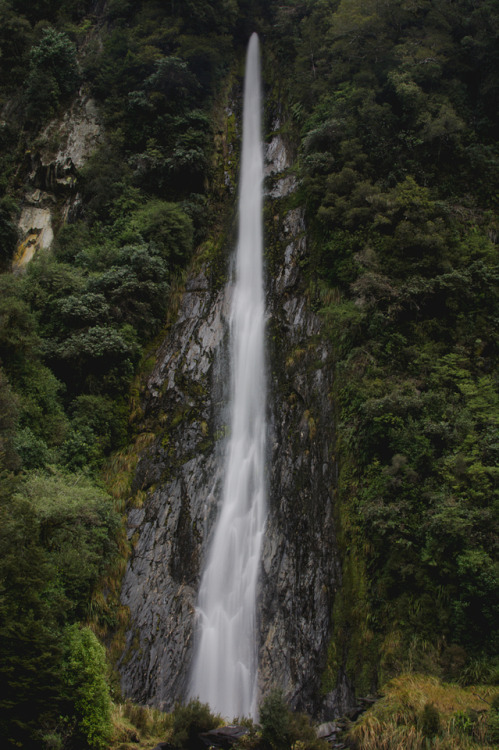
{"x":50,"y":196}
{"x":185,"y":403}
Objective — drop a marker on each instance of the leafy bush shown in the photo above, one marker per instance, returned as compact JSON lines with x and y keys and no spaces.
{"x":189,"y":721}
{"x":32,"y":450}
{"x":167,"y":226}
{"x":282,"y":728}
{"x":8,"y":232}
{"x":84,"y":670}
{"x":275,"y":718}
{"x":73,"y":522}
{"x":53,"y":74}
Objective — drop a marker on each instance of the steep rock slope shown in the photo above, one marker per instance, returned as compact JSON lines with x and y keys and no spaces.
{"x":52,"y":170}
{"x":180,"y":472}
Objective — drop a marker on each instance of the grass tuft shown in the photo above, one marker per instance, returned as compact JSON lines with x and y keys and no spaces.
{"x":139,"y":727}
{"x":417,"y":712}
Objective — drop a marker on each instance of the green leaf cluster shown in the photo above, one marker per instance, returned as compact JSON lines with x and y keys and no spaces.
{"x":395,"y":108}
{"x":56,"y":536}
{"x":53,"y":73}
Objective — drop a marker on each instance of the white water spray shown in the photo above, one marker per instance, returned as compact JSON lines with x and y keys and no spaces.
{"x":225,"y":662}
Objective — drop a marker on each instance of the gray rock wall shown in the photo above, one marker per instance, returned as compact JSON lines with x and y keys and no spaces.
{"x":300,"y":566}
{"x":50,"y":197}
{"x":180,"y":472}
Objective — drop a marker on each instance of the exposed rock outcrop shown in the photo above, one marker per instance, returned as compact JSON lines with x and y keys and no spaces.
{"x":300,"y":567}
{"x":180,"y":472}
{"x":64,"y":147}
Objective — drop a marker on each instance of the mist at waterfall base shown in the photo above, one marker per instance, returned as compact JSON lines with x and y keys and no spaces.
{"x":225,"y":664}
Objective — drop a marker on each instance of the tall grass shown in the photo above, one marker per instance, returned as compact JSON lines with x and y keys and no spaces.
{"x":418,"y":712}
{"x":139,"y":727}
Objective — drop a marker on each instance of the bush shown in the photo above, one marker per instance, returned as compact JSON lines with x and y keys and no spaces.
{"x":74,"y":525}
{"x":167,"y":225}
{"x":275,"y":718}
{"x":282,"y":728}
{"x":493,"y":721}
{"x":32,"y":450}
{"x":85,"y":675}
{"x":53,"y":73}
{"x":8,"y":232}
{"x":189,"y":721}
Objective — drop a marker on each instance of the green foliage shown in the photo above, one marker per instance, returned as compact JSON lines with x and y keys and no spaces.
{"x":18,"y":339}
{"x":30,"y":654}
{"x":420,"y":712}
{"x":394,"y":109}
{"x":8,"y":232}
{"x":56,"y":537}
{"x":189,"y":721}
{"x":167,"y":226}
{"x":32,"y":450}
{"x":15,"y":36}
{"x":275,"y":718}
{"x":404,"y":272}
{"x":75,"y":525}
{"x":493,"y":721}
{"x":283,"y":728}
{"x":149,"y":721}
{"x":53,"y":74}
{"x":73,"y":324}
{"x":9,"y":415}
{"x":102,"y":181}
{"x":84,"y":672}
{"x":49,"y":10}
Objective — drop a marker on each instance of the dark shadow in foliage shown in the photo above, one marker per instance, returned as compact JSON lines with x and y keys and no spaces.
{"x":189,"y":721}
{"x":30,"y":654}
{"x":282,"y":728}
{"x":102,"y":182}
{"x":8,"y":232}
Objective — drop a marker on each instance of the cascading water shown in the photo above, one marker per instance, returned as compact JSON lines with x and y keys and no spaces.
{"x":224,"y":672}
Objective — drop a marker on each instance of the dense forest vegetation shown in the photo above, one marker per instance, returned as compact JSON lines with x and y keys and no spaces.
{"x":392,"y":110}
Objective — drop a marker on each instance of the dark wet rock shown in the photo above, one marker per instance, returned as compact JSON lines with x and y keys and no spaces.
{"x":223,"y":737}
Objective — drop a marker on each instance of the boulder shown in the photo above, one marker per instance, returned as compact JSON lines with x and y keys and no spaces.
{"x":223,"y":737}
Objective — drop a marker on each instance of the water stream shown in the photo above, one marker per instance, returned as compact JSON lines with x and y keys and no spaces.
{"x":225,"y":665}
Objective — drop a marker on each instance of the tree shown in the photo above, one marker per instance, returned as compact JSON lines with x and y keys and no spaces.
{"x":84,"y":671}
{"x":53,"y":73}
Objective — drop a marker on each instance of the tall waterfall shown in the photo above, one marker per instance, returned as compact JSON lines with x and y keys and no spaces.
{"x":224,"y":672}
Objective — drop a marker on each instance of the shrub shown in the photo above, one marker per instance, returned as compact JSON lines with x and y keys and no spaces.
{"x":189,"y":721}
{"x":53,"y":73}
{"x":85,"y":675}
{"x":275,"y":718}
{"x":167,"y":225}
{"x":282,"y":728}
{"x":493,"y":721}
{"x":32,"y":450}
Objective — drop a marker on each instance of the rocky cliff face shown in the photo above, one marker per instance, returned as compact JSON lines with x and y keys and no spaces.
{"x":180,"y":473}
{"x":50,"y":193}
{"x":300,"y":567}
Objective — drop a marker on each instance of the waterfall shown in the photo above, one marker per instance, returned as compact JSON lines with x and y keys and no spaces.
{"x":224,"y":672}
